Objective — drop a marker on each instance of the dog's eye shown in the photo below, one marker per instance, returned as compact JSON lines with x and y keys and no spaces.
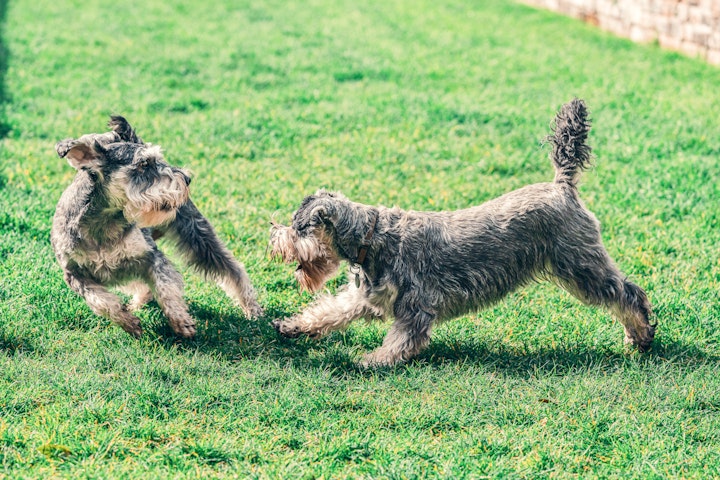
{"x":142,"y":164}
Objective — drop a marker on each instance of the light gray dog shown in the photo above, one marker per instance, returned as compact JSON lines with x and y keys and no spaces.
{"x":124,"y":197}
{"x":425,"y":267}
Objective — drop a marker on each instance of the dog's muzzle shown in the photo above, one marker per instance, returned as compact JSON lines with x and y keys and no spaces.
{"x":316,"y":263}
{"x":159,"y":204}
{"x":282,"y":243}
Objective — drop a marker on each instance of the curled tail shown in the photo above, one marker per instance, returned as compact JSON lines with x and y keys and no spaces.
{"x":570,"y":153}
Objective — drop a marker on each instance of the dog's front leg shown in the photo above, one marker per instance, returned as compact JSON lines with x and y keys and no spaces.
{"x":202,"y":249}
{"x":167,"y":286}
{"x":408,"y":335}
{"x":104,"y":303}
{"x":328,"y":313}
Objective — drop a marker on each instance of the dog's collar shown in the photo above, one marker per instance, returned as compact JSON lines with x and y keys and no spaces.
{"x":365,"y":244}
{"x":356,"y":265}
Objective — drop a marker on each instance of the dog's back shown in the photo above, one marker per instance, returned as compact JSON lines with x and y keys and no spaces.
{"x":487,"y":251}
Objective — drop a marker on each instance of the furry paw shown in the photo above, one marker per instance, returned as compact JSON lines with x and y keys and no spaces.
{"x":132,"y":326}
{"x":286,"y":330}
{"x":642,"y":339}
{"x":185,"y":328}
{"x":254,"y":311}
{"x":378,"y":359}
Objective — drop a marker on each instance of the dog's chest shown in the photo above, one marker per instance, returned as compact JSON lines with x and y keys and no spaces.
{"x":126,"y":253}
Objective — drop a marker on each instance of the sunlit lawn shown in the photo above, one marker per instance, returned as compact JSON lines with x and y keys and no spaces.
{"x":423,"y":105}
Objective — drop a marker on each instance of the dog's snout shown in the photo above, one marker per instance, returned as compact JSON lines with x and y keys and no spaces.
{"x":180,"y":173}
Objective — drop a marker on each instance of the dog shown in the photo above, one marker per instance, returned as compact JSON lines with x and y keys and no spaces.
{"x":425,"y":267}
{"x":123,"y":198}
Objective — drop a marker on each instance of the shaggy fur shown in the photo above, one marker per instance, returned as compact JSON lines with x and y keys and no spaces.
{"x":125,"y":196}
{"x":425,"y":267}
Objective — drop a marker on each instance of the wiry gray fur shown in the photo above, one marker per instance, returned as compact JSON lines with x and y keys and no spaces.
{"x":425,"y":267}
{"x":124,"y":196}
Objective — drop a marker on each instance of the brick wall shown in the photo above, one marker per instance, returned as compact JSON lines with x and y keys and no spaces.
{"x":688,"y":26}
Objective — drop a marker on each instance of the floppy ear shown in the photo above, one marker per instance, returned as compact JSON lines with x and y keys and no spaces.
{"x":121,"y":126}
{"x":81,"y":154}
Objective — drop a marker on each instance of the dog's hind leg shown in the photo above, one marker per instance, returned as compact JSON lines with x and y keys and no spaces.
{"x":104,"y":303}
{"x":202,"y":249}
{"x":589,"y":274}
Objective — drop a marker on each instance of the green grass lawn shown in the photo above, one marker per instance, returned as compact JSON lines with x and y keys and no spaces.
{"x":425,"y":105}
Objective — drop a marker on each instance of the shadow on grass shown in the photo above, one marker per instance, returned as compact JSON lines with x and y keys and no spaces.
{"x":512,"y":361}
{"x":234,"y":337}
{"x":562,"y":360}
{"x":4,"y":129}
{"x":224,"y":332}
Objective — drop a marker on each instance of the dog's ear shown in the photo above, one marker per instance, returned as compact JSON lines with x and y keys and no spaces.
{"x":318,"y":214}
{"x":122,"y":128}
{"x":314,"y":211}
{"x":323,"y":214}
{"x":80,"y":153}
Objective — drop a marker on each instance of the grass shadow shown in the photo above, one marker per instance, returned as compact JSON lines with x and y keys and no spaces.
{"x":333,"y":353}
{"x":228,"y":333}
{"x":550,"y":361}
{"x":4,"y":54}
{"x":232,"y":336}
{"x":225,"y":332}
{"x":563,"y":360}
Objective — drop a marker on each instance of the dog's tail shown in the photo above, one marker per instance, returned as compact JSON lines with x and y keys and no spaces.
{"x":570,"y":153}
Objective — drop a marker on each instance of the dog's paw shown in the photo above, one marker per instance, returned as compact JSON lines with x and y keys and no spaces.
{"x":184,"y":329}
{"x":254,"y":311}
{"x":286,"y":330}
{"x":133,"y":328}
{"x":642,"y":339}
{"x":378,"y":359}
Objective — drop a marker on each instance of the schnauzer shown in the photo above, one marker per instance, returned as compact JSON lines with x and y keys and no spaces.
{"x":425,"y":267}
{"x":123,"y":198}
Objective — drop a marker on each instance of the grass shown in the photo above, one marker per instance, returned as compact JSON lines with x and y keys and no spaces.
{"x":423,"y":105}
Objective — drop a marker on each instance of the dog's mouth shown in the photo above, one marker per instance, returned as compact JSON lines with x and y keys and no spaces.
{"x":154,"y":218}
{"x":151,"y":215}
{"x":313,"y":274}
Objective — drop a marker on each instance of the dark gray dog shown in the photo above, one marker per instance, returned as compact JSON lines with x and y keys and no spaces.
{"x":425,"y":267}
{"x":124,"y":197}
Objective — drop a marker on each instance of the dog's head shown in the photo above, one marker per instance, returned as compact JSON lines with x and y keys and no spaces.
{"x":310,"y":241}
{"x":134,"y":176}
